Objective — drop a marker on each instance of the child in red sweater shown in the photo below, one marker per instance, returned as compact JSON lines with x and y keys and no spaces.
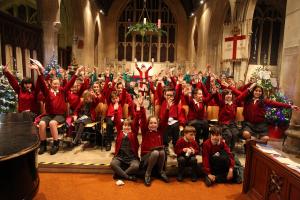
{"x":186,"y":149}
{"x":126,"y":147}
{"x":84,"y":113}
{"x":152,"y":148}
{"x":27,"y":93}
{"x":56,"y":108}
{"x":254,"y":113}
{"x":218,"y":161}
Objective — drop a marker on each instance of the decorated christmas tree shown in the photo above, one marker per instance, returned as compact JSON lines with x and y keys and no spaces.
{"x":8,"y":97}
{"x":276,"y":116}
{"x":53,"y":69}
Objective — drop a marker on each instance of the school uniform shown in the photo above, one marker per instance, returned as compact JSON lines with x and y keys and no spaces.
{"x":254,"y":115}
{"x":27,"y":100}
{"x":217,"y":159}
{"x":126,"y":149}
{"x":184,"y":159}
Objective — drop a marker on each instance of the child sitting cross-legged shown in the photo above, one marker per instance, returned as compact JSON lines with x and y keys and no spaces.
{"x":218,"y":161}
{"x":186,"y":149}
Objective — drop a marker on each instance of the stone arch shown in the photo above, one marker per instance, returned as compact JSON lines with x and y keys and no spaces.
{"x":24,"y":10}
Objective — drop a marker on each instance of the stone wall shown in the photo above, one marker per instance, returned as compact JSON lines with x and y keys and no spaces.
{"x":290,"y":70}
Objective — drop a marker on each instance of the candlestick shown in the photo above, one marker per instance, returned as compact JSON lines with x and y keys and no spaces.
{"x":145,"y":20}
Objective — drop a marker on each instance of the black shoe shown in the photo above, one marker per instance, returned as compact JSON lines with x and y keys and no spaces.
{"x":194,"y":177}
{"x":107,"y":147}
{"x":54,"y":149}
{"x":42,"y":150}
{"x":43,"y":147}
{"x":179,"y":177}
{"x":164,"y":177}
{"x":132,"y":178}
{"x":147,"y":180}
{"x":207,"y":181}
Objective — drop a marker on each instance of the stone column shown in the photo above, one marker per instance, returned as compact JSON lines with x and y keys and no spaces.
{"x":290,"y":71}
{"x":49,"y":11}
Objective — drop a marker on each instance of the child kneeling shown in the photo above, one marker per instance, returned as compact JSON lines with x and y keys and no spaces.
{"x":186,"y":149}
{"x":218,"y":161}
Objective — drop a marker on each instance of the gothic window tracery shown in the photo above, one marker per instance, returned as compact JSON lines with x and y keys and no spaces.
{"x":266,"y":34}
{"x":161,"y":48}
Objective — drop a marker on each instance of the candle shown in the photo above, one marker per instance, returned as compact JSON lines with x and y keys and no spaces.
{"x":159,"y":23}
{"x":145,"y":20}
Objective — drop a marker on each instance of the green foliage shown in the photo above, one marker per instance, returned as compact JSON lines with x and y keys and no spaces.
{"x":8,"y":97}
{"x":143,"y":29}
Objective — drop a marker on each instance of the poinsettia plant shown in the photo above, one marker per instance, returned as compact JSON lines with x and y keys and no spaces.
{"x":145,"y":28}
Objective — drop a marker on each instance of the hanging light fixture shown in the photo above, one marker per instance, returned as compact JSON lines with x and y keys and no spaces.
{"x":144,"y":26}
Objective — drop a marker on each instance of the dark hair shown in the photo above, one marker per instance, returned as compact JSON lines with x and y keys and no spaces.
{"x":26,"y":81}
{"x":195,"y":91}
{"x":226,"y":92}
{"x":249,"y":97}
{"x":215,"y":130}
{"x":169,"y":89}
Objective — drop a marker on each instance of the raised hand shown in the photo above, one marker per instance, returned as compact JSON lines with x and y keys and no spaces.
{"x":79,"y":69}
{"x":225,"y":84}
{"x":296,"y":108}
{"x":252,"y":86}
{"x":38,"y":63}
{"x":4,"y":68}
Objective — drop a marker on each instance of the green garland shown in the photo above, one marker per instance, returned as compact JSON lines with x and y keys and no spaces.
{"x":143,"y":28}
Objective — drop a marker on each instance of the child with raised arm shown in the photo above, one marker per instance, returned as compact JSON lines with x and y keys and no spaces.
{"x":27,"y":93}
{"x":152,"y":148}
{"x":254,"y":113}
{"x":126,"y":147}
{"x":56,"y":108}
{"x":186,"y":149}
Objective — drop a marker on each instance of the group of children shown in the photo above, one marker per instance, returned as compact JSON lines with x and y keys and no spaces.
{"x":179,"y":105}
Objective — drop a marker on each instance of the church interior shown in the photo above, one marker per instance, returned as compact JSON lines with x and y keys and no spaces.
{"x":149,"y":48}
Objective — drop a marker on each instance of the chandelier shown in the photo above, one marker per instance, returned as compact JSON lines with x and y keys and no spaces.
{"x":145,"y":27}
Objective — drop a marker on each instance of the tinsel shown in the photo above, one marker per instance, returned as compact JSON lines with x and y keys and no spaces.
{"x":279,"y":115}
{"x":8,"y":97}
{"x":53,"y":65}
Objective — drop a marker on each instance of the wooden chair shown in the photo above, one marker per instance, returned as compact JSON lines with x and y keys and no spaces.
{"x":212,"y":113}
{"x":239,"y":114}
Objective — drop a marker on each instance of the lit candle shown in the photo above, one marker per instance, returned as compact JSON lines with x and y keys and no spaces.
{"x":145,"y":20}
{"x":159,"y":23}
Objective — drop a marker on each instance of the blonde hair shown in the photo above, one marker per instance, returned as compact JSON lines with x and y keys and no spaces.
{"x":189,"y":129}
{"x":86,"y":94}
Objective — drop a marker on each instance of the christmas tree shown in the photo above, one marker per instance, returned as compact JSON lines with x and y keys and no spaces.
{"x":8,"y":97}
{"x":277,"y":116}
{"x":53,"y":69}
